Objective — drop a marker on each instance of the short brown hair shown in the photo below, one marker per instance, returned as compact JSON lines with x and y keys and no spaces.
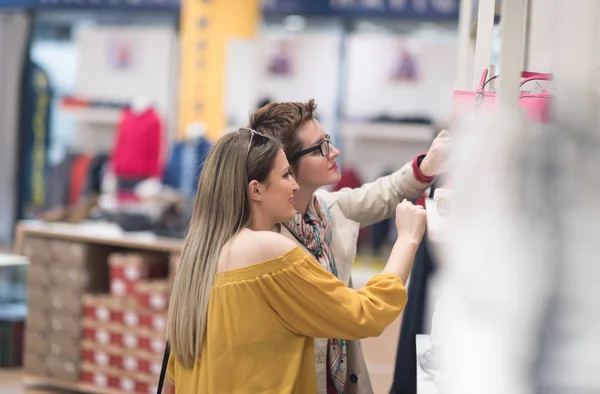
{"x":282,"y":121}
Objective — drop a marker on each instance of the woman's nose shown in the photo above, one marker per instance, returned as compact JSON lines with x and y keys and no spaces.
{"x":333,"y":152}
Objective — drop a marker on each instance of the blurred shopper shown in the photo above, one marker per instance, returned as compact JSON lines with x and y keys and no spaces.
{"x":327,"y":224}
{"x":521,"y":278}
{"x":247,"y":302}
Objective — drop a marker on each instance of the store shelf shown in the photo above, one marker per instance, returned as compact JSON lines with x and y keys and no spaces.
{"x":31,"y":381}
{"x":11,"y":260}
{"x":435,"y":222}
{"x":108,"y":116}
{"x":425,"y":383}
{"x":96,"y":233}
{"x":102,"y":253}
{"x":390,"y":132}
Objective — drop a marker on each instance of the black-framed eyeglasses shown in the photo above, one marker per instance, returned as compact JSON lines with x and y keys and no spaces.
{"x":322,"y":147}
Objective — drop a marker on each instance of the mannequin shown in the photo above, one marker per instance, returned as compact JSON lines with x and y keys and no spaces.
{"x":140,"y":104}
{"x":138,"y":146}
{"x":195,"y":131}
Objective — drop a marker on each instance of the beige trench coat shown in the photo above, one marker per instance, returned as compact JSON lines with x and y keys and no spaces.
{"x":350,"y":210}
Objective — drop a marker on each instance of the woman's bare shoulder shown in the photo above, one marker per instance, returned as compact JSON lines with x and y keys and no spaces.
{"x":253,"y":247}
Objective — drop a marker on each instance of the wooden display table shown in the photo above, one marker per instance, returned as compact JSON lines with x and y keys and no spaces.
{"x":96,"y":233}
{"x":83,"y":333}
{"x":32,"y":383}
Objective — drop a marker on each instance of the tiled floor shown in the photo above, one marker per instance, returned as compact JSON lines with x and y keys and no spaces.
{"x":379,"y":352}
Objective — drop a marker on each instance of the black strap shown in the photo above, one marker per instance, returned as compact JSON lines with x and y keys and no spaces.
{"x":163,"y":370}
{"x":433,"y":186}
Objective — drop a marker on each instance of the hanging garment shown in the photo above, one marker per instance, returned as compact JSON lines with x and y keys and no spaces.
{"x":34,"y":140}
{"x":405,"y":371}
{"x":95,"y":174}
{"x":126,"y":190}
{"x":79,"y":172}
{"x":185,"y":165}
{"x":58,"y":183}
{"x":349,"y":179}
{"x":380,"y":231}
{"x":137,"y":149}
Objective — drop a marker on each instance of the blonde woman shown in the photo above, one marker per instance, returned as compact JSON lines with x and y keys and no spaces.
{"x":247,"y":301}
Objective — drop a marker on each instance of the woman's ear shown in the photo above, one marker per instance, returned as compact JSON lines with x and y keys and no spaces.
{"x":255,"y":190}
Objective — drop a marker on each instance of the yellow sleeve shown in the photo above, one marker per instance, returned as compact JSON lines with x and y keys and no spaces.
{"x":313,"y":302}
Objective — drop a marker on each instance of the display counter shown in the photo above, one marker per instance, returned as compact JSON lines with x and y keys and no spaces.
{"x":97,"y":301}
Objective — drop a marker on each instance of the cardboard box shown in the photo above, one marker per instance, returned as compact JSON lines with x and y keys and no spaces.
{"x":154,"y":321}
{"x":65,"y":325}
{"x":121,"y":311}
{"x":36,"y":342}
{"x":42,"y":326}
{"x":128,"y":269}
{"x":65,"y":302}
{"x":37,"y":249}
{"x":128,"y":317}
{"x":94,"y":376}
{"x":69,"y":253}
{"x":110,"y":378}
{"x":35,"y":364}
{"x":94,"y":354}
{"x":97,"y":333}
{"x":100,"y":308}
{"x":153,"y":295}
{"x":122,"y":337}
{"x":135,"y":339}
{"x":38,"y":274}
{"x":89,"y":278}
{"x":62,"y":368}
{"x":129,"y":360}
{"x":38,"y":319}
{"x":37,"y":296}
{"x":124,"y":314}
{"x":83,"y":269}
{"x":64,"y":348}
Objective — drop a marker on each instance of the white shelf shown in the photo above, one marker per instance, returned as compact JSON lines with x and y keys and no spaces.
{"x":435,"y":221}
{"x":425,"y":383}
{"x":107,"y":116}
{"x":389,"y":132}
{"x":11,"y":260}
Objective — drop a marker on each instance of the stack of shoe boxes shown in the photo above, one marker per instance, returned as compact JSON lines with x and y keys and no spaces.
{"x":124,"y":332}
{"x":60,"y":274}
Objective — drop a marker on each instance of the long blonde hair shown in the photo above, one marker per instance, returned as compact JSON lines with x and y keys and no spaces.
{"x":221,"y":210}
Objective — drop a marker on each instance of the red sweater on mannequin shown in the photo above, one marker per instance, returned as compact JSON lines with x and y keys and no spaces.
{"x":137,"y":150}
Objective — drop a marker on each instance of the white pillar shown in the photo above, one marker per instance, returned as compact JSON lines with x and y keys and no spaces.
{"x":541,"y":27}
{"x":511,"y":55}
{"x":466,"y":51}
{"x":483,"y":44}
{"x":575,"y":57}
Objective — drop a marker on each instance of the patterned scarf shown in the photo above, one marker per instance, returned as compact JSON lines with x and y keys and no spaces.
{"x":315,"y":233}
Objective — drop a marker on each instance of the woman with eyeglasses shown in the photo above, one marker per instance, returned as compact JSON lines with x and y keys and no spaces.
{"x":327,"y":224}
{"x":247,"y":302}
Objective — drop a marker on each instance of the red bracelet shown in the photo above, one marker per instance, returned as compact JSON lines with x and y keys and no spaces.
{"x":417,"y":171}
